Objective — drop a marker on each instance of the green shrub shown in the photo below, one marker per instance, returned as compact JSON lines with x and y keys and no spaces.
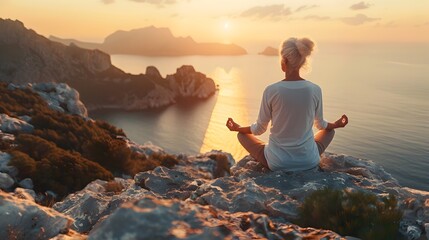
{"x":357,"y":214}
{"x":53,"y":168}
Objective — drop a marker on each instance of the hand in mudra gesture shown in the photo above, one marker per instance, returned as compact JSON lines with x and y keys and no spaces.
{"x":232,"y":126}
{"x":342,"y":122}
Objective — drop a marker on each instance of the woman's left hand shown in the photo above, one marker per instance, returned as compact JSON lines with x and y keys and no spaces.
{"x":232,"y":126}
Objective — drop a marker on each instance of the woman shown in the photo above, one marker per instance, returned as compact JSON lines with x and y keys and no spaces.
{"x":293,"y":105}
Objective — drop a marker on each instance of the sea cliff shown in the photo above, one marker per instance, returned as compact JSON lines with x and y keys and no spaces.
{"x":204,"y":196}
{"x":27,"y":57}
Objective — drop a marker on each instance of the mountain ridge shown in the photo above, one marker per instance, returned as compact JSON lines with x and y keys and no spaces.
{"x":154,"y":41}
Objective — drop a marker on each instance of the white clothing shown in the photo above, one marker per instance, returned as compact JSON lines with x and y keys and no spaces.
{"x":293,"y":108}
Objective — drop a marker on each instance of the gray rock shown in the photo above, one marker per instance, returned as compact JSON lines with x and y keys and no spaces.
{"x":27,"y":194}
{"x":154,"y":218}
{"x":26,"y":183}
{"x":24,"y":219}
{"x":4,"y":164}
{"x":6,"y":181}
{"x":95,"y":201}
{"x":14,"y":125}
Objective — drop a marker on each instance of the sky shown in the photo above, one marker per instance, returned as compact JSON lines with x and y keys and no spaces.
{"x":243,"y":22}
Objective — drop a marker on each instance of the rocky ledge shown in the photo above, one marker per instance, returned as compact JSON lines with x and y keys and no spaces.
{"x":203,"y":197}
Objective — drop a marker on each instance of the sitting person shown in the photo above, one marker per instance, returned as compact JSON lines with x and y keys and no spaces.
{"x":293,"y":105}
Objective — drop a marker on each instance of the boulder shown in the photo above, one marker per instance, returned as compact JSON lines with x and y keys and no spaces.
{"x":6,"y":182}
{"x":4,"y":164}
{"x":14,"y":125}
{"x":96,"y":201}
{"x":26,"y":183}
{"x":24,"y":219}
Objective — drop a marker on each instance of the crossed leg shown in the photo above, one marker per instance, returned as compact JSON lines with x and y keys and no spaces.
{"x":254,"y":146}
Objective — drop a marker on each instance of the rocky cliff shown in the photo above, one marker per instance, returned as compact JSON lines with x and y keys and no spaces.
{"x":27,"y":57}
{"x":153,"y":41}
{"x":204,"y":196}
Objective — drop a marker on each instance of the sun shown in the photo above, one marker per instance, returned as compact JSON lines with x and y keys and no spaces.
{"x":226,"y":25}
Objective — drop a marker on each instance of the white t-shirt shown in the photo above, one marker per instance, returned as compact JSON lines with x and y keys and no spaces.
{"x":293,"y":108}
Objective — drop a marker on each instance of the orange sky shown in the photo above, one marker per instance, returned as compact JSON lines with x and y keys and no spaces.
{"x":244,"y":22}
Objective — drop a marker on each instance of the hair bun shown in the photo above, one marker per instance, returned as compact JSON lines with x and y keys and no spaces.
{"x":305,"y":46}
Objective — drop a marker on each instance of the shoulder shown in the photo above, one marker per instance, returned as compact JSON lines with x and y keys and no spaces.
{"x":315,"y":87}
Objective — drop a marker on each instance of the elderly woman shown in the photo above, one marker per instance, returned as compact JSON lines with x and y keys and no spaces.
{"x":293,"y":105}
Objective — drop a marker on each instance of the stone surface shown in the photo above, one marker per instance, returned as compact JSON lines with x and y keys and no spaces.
{"x":4,"y":164}
{"x":154,"y":218}
{"x":14,"y":125}
{"x":24,"y":219}
{"x":94,"y":202}
{"x":186,"y":82}
{"x":26,"y":183}
{"x":6,"y":181}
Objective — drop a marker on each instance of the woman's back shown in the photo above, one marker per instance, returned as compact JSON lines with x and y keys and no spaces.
{"x":292,"y":106}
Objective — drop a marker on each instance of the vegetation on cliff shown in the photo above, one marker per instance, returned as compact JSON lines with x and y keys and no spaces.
{"x":66,"y":152}
{"x":355,"y":213}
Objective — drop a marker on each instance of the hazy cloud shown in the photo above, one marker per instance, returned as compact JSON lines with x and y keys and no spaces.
{"x":359,"y":19}
{"x":159,"y":3}
{"x":306,"y":7}
{"x":360,"y":6}
{"x":272,"y":12}
{"x":316,"y":17}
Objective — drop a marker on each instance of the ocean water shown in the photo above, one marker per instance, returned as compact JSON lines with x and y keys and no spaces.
{"x":383,"y":88}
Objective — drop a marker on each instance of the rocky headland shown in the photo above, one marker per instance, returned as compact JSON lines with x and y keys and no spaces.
{"x":204,"y":196}
{"x":27,"y":57}
{"x":269,"y":51}
{"x":153,"y":41}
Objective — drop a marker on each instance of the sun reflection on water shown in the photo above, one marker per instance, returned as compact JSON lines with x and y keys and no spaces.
{"x":231,"y":104}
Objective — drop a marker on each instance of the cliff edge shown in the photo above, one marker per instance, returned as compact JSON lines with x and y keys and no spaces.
{"x":27,"y":57}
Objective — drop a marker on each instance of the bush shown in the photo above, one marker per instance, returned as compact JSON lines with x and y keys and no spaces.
{"x":113,"y":187}
{"x":222,"y":164}
{"x":355,"y":214}
{"x":53,"y":168}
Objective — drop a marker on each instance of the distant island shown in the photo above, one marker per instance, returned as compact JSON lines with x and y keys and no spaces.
{"x":27,"y":57}
{"x":270,"y":51}
{"x":153,"y":41}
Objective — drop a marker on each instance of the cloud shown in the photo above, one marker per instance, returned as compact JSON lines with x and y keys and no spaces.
{"x":360,"y":6}
{"x":316,"y":17}
{"x":272,"y":12}
{"x":159,"y":3}
{"x":306,"y":7}
{"x":359,"y":19}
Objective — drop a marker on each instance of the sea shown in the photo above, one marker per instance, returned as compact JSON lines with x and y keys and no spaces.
{"x":383,"y":88}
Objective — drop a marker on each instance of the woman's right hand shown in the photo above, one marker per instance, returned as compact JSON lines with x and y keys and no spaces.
{"x":342,"y":122}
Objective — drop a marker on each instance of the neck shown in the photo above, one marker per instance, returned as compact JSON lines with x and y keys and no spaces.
{"x":293,"y":76}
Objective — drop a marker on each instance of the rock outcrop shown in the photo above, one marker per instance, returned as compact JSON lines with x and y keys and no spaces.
{"x":10,"y":124}
{"x":27,"y":57}
{"x":58,"y":96}
{"x":270,"y":51}
{"x":24,"y":219}
{"x":248,"y":202}
{"x":153,"y":41}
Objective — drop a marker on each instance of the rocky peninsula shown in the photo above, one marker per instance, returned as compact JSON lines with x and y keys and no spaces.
{"x":27,"y":57}
{"x":154,"y":41}
{"x":204,"y":196}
